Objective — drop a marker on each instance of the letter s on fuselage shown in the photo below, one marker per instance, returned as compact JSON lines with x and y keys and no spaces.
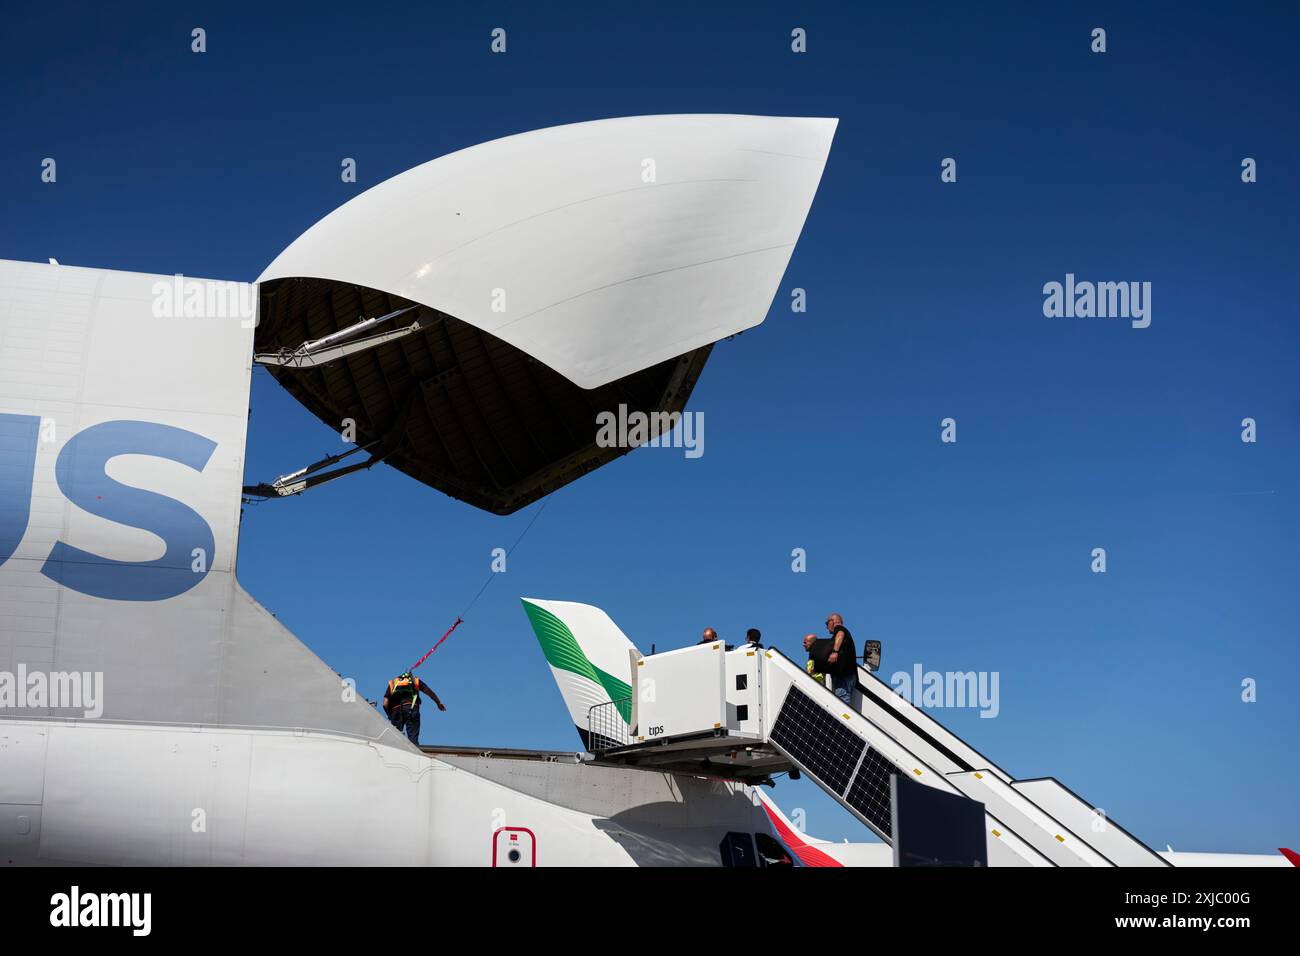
{"x":82,"y":477}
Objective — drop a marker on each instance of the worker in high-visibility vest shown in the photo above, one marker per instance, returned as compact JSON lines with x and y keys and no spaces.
{"x":818,"y":650}
{"x":402,"y":703}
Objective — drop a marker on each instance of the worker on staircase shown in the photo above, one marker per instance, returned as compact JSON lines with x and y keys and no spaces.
{"x":818,"y":649}
{"x":842,"y":660}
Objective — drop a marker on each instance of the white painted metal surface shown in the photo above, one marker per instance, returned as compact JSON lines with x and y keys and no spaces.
{"x":124,"y":565}
{"x":599,"y":248}
{"x":117,"y":794}
{"x":682,"y":692}
{"x":1180,"y":858}
{"x":744,"y":692}
{"x":590,"y":672}
{"x":1030,"y":822}
{"x":1112,"y":840}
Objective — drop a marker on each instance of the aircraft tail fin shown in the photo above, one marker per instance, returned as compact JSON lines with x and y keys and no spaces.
{"x":590,"y":658}
{"x":122,"y":444}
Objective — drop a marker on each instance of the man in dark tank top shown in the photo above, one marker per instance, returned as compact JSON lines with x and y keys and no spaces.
{"x":843,"y":659}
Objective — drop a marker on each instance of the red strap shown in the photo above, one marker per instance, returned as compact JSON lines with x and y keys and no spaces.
{"x":435,"y":646}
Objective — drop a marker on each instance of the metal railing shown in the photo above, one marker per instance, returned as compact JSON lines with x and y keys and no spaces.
{"x":606,"y":727}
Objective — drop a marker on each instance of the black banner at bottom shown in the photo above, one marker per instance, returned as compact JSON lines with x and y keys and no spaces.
{"x":339,"y":905}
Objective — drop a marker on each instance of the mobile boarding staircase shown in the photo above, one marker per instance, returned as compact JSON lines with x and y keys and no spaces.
{"x":749,"y":713}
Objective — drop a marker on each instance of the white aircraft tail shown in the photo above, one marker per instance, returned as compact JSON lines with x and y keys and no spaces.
{"x":123,"y":414}
{"x":590,"y":658}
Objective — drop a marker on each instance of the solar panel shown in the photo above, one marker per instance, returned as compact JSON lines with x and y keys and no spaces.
{"x":869,"y":794}
{"x":819,"y":742}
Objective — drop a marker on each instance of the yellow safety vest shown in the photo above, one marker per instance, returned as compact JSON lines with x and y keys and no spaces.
{"x":406,"y":687}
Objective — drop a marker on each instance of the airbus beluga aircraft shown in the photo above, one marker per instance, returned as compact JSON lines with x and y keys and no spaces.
{"x":463,"y":321}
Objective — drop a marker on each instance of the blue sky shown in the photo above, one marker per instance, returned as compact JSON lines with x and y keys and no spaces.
{"x":924,"y":302}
